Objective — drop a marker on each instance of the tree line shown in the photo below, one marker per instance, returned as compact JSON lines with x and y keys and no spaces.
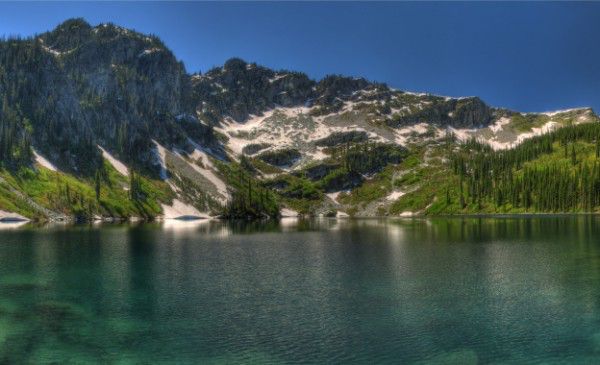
{"x":504,"y":178}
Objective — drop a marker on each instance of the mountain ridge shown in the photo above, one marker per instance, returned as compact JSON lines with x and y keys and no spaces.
{"x":81,"y":104}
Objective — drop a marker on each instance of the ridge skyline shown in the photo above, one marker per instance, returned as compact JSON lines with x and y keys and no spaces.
{"x":551,"y":71}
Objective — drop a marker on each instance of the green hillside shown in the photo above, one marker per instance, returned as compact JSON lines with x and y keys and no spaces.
{"x":554,"y":173}
{"x":130,"y":133}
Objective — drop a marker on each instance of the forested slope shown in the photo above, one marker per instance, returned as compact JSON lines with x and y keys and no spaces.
{"x":105,"y":122}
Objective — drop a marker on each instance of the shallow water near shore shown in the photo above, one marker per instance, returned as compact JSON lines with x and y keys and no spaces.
{"x":503,"y":290}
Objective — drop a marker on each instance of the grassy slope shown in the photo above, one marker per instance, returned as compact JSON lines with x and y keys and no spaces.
{"x":421,"y":182}
{"x":10,"y":202}
{"x":436,"y":186}
{"x":49,"y":189}
{"x":432,"y":188}
{"x":425,"y":177}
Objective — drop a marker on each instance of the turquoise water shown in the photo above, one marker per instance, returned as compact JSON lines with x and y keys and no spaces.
{"x":440,"y":291}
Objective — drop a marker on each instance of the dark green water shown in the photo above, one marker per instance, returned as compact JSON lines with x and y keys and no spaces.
{"x":441,"y":291}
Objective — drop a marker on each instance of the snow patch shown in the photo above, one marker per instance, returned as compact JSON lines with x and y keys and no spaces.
{"x":285,"y":213}
{"x":11,"y":217}
{"x":208,"y":170}
{"x":51,"y":51}
{"x":181,"y":210}
{"x":415,"y":93}
{"x":289,"y":127}
{"x":277,"y":78}
{"x":499,"y":125}
{"x":335,"y":196}
{"x":41,"y":160}
{"x":161,"y":154}
{"x":556,"y":112}
{"x":462,"y":135}
{"x":213,"y":178}
{"x":317,"y":155}
{"x":546,"y":128}
{"x":420,"y":128}
{"x":394,"y":195}
{"x":149,"y":51}
{"x":118,"y":165}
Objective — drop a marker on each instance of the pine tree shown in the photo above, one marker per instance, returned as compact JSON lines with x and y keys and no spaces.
{"x":97,"y":185}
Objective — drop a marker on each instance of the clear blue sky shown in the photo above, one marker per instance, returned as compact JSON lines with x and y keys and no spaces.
{"x":526,"y":56}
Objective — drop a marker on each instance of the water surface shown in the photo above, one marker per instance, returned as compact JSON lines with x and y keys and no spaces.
{"x":440,"y":291}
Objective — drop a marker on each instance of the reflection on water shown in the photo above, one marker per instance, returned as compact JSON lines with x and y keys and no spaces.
{"x":12,"y":225}
{"x":422,"y":291}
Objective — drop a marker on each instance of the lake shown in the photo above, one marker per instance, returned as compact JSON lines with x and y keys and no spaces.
{"x":522,"y":290}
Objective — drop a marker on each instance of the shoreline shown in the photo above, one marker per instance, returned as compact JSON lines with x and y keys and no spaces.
{"x":110,"y":221}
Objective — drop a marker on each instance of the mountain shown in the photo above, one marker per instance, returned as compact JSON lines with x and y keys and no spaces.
{"x":105,"y":122}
